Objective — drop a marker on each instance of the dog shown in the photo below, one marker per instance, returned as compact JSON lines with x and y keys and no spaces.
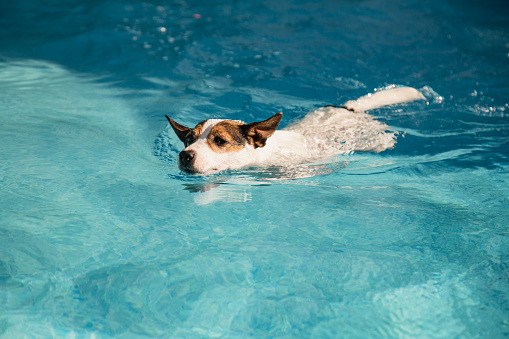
{"x":215,"y":145}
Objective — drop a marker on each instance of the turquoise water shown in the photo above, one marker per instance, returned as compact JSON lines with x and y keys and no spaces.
{"x":101,"y":236}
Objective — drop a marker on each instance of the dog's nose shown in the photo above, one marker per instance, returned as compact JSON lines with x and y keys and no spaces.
{"x":186,"y":157}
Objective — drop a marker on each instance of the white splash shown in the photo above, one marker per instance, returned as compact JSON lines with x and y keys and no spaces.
{"x":331,"y":131}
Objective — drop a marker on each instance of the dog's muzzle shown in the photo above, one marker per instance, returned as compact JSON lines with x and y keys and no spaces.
{"x":186,"y":160}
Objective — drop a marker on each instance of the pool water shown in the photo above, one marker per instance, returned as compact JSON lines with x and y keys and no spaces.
{"x":101,"y":236}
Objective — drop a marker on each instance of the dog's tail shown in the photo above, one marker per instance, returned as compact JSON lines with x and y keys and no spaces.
{"x":383,"y":98}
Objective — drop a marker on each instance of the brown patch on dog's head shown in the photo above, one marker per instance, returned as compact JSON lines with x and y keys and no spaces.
{"x":227,"y":136}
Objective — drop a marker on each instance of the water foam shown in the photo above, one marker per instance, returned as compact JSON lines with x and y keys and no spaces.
{"x":330,"y":131}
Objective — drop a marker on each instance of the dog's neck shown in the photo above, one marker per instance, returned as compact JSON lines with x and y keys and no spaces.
{"x":282,"y":147}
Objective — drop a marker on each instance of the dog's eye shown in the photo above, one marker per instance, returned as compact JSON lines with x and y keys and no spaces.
{"x":219,"y":141}
{"x":189,"y":140}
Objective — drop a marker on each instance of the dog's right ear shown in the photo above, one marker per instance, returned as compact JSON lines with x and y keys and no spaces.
{"x":180,"y":131}
{"x":259,"y":132}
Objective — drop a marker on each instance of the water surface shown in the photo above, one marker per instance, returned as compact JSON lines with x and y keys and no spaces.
{"x":102,"y":237}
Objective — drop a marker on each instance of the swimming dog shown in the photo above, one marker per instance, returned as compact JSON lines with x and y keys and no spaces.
{"x":216,"y":145}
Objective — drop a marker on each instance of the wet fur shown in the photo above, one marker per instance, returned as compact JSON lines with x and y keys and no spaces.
{"x":215,"y":145}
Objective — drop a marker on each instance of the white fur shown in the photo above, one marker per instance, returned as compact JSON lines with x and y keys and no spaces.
{"x":384,"y":98}
{"x":322,"y":134}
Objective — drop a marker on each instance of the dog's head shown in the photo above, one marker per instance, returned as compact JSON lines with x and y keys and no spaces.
{"x":216,"y":145}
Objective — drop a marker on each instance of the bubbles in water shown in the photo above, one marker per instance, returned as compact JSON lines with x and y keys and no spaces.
{"x":431,"y":95}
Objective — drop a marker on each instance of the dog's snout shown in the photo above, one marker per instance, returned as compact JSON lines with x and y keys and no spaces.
{"x":186,"y":157}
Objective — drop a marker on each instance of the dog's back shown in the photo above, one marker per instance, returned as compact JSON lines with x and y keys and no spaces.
{"x":332,"y":130}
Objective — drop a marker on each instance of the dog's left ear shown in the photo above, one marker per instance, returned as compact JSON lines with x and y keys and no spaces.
{"x":259,"y":132}
{"x":180,"y":131}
